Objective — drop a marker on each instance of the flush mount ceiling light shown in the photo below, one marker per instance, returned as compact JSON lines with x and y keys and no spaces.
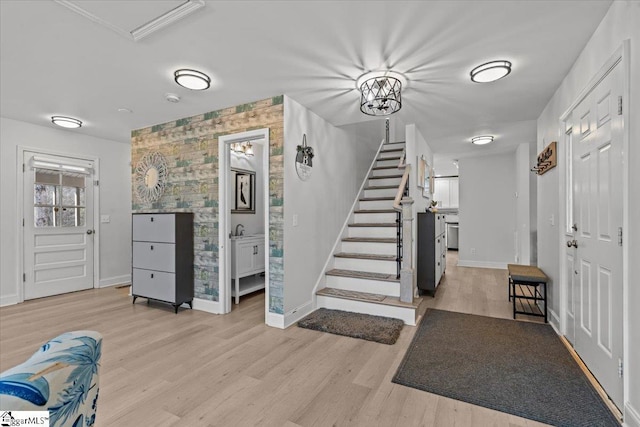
{"x":482,"y":140}
{"x":192,"y":79}
{"x":380,"y":92}
{"x":490,"y":71}
{"x":66,"y":122}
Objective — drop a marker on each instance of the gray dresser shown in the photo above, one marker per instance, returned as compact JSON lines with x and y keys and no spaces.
{"x":163,"y":257}
{"x":432,"y":251}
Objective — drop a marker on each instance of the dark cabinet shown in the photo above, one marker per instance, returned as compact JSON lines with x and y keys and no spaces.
{"x":432,"y":251}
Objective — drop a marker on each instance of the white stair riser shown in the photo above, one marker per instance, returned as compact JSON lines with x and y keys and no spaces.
{"x":385,"y":192}
{"x":375,"y":217}
{"x":369,"y":248}
{"x":387,"y":172}
{"x":364,"y":285}
{"x":407,"y":315}
{"x":385,"y":181}
{"x":376,"y":204}
{"x":387,"y":154}
{"x":368,"y":265}
{"x":375,"y":232}
{"x":383,"y":162}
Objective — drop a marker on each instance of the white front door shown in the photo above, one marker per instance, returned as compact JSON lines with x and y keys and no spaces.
{"x":58,"y":225}
{"x":597,"y":214}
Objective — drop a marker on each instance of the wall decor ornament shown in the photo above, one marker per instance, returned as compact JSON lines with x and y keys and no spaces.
{"x":150,"y":177}
{"x":304,"y":161}
{"x":547,"y":159}
{"x":245,"y":195}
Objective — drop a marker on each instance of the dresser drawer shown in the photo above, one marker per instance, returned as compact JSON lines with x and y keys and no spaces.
{"x":154,"y":228}
{"x":154,"y":284}
{"x":154,"y":256}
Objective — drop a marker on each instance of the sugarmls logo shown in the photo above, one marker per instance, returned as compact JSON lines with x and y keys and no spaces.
{"x":24,"y":418}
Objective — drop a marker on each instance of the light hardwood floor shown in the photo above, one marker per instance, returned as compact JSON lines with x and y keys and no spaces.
{"x":198,"y":369}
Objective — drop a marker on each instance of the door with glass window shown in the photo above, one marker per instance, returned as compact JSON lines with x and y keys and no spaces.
{"x":58,"y":225}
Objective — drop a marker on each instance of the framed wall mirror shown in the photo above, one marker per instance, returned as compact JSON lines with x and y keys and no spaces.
{"x":244,"y":196}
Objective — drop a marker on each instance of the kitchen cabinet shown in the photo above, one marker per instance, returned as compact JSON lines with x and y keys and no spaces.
{"x":446,"y":192}
{"x":162,"y":258}
{"x":247,"y":258}
{"x":432,"y":251}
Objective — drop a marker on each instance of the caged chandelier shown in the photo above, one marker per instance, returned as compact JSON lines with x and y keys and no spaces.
{"x":380,"y":92}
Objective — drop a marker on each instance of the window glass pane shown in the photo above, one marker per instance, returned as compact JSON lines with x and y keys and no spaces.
{"x":70,"y":196}
{"x":44,"y":176}
{"x":45,"y":194}
{"x":68,"y":217}
{"x":80,"y":215}
{"x":45,"y":217}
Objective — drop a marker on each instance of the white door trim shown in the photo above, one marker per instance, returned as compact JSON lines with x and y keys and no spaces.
{"x":619,"y":58}
{"x":21,"y":149}
{"x":260,"y":137}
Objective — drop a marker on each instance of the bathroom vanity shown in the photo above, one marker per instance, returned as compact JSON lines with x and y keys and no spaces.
{"x":247,"y":259}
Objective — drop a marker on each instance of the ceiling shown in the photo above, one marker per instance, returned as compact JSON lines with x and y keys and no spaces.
{"x":56,"y":61}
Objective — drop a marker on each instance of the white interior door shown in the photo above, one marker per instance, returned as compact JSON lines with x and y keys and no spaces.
{"x":58,"y":225}
{"x":597,"y":209}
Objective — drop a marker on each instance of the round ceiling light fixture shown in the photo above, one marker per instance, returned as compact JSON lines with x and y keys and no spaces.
{"x":482,"y":140}
{"x":192,"y":79}
{"x":66,"y":122}
{"x":490,"y":71}
{"x":381,"y":92}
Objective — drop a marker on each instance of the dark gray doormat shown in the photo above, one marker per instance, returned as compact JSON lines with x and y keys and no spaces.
{"x":520,"y":368}
{"x":364,"y":326}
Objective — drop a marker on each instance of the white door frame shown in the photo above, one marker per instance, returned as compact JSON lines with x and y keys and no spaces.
{"x":259,"y":137}
{"x":21,"y":149}
{"x":620,"y":58}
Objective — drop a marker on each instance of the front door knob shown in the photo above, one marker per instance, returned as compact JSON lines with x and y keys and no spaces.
{"x":571,"y":243}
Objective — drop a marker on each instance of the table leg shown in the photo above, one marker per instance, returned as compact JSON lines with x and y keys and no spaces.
{"x":513,"y":287}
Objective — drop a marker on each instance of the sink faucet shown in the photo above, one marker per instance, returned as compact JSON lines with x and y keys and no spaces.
{"x":241,"y":231}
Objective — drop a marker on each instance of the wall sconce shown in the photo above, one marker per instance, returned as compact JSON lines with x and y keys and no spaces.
{"x":245,"y":148}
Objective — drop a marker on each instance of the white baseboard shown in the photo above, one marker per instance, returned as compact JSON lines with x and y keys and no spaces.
{"x":206,"y":305}
{"x":8,"y":300}
{"x":113,"y":281}
{"x":275,"y":320}
{"x":631,"y":416}
{"x":298,"y":313}
{"x":483,"y":264}
{"x":554,"y":320}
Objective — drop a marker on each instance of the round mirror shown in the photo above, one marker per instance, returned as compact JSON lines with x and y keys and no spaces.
{"x":150,"y":176}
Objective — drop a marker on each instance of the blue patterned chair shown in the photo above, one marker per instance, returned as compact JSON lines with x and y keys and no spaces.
{"x":61,"y":377}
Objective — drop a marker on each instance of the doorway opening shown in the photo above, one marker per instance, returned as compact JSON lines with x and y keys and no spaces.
{"x":243,"y":190}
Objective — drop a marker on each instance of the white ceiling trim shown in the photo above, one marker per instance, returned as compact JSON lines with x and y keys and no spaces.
{"x":186,"y":8}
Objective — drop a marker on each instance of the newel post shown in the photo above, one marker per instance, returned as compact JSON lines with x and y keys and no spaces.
{"x":406,"y":269}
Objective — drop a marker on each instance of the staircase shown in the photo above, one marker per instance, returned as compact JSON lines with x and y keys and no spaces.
{"x":364,"y":278}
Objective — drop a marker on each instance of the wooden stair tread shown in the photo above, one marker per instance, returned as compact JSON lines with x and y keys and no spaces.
{"x":363,"y":275}
{"x":369,"y":297}
{"x":375,"y":211}
{"x":391,"y":150}
{"x":384,"y":167}
{"x":385,"y":176}
{"x":370,"y":240}
{"x":376,"y":199}
{"x":374,"y":257}
{"x":391,"y":143}
{"x":373,"y":224}
{"x":387,"y":158}
{"x":380,"y":187}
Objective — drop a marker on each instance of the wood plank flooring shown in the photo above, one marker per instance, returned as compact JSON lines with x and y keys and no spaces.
{"x":198,"y":369}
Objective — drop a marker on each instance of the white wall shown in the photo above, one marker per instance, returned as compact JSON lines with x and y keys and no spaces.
{"x":487,"y":210}
{"x":523,"y":213}
{"x":322,"y":203}
{"x":620,"y":23}
{"x":416,"y":148}
{"x":253,"y":223}
{"x":115,"y":198}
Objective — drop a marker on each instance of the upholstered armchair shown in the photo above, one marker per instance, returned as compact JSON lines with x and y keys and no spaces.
{"x":61,"y":377}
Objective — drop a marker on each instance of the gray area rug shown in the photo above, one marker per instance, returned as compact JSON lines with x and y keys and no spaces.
{"x":364,"y":326}
{"x":520,"y":368}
